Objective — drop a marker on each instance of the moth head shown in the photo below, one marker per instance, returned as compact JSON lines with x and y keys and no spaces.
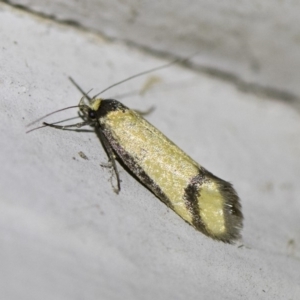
{"x":89,"y":107}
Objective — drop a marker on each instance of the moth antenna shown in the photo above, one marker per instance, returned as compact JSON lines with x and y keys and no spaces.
{"x":39,"y":127}
{"x":108,"y":88}
{"x":36,"y":128}
{"x":81,"y":90}
{"x":52,"y":113}
{"x":144,"y":73}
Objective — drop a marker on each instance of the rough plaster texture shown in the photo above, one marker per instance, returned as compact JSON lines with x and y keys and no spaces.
{"x":64,"y":234}
{"x":249,"y":42}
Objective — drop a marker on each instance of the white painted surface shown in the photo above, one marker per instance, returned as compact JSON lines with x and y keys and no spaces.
{"x":64,"y":234}
{"x":253,"y":42}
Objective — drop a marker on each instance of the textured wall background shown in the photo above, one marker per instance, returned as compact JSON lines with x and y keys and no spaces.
{"x":254,"y":44}
{"x":64,"y":234}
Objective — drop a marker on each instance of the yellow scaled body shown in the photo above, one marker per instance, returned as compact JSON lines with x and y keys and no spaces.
{"x":203,"y":200}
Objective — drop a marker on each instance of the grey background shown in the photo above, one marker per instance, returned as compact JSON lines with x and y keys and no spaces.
{"x":254,"y":44}
{"x":66,"y":235}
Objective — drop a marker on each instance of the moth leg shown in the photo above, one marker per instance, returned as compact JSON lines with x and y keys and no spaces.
{"x":107,"y":165}
{"x":78,"y":125}
{"x":111,"y":159}
{"x":145,"y":112}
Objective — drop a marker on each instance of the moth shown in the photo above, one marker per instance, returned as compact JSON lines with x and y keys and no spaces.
{"x":208,"y":203}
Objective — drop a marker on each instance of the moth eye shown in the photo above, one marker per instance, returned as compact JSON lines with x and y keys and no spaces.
{"x":92,"y":114}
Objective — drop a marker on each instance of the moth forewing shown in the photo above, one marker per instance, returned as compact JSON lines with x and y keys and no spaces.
{"x":205,"y":201}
